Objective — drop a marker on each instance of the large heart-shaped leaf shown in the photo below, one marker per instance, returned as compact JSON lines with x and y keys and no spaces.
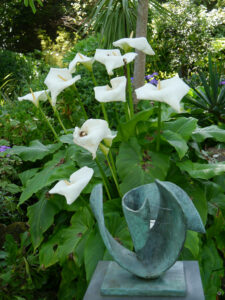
{"x":55,"y":169}
{"x":203,"y":171}
{"x":35,"y":151}
{"x":134,"y":170}
{"x":176,"y":140}
{"x":213,"y":131}
{"x":64,"y":241}
{"x":182,"y":126}
{"x":41,"y":217}
{"x":128,"y":129}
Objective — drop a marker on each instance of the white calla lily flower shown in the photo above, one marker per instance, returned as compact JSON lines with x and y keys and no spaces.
{"x":139,"y":43}
{"x":169,"y":91}
{"x":80,"y":58}
{"x":57,"y":80}
{"x":91,"y":133}
{"x":115,"y":93}
{"x":71,"y":189}
{"x":113,"y":59}
{"x":35,"y":97}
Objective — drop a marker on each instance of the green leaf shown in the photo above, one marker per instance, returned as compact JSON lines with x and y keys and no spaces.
{"x":202,"y":171}
{"x":212,"y":269}
{"x":26,"y":175}
{"x":35,"y":151}
{"x":192,"y":243}
{"x":175,"y":140}
{"x":128,"y":129}
{"x":213,"y":131}
{"x":67,"y":139}
{"x":94,"y":251}
{"x":64,"y":241}
{"x":41,"y":217}
{"x":182,"y":126}
{"x":133,"y":171}
{"x":47,"y":176}
{"x":157,"y":167}
{"x":128,"y":164}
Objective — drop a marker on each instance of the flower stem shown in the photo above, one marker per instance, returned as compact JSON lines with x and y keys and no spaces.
{"x":49,"y":124}
{"x":59,"y":119}
{"x":56,"y":113}
{"x":129,"y":87}
{"x":104,"y":178}
{"x":93,"y":78}
{"x":80,"y":102}
{"x":127,"y":112}
{"x":113,"y":171}
{"x":159,"y":127}
{"x":104,"y":112}
{"x":102,"y":104}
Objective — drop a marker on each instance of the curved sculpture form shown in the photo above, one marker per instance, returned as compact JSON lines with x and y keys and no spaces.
{"x":158,"y":216}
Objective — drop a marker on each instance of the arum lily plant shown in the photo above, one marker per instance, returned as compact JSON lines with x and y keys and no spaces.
{"x":115,"y":93}
{"x":169,"y":91}
{"x":139,"y":43}
{"x":113,"y":59}
{"x":71,"y":189}
{"x":35,"y":97}
{"x":91,"y":133}
{"x":70,"y":231}
{"x":80,"y":58}
{"x":57,"y":80}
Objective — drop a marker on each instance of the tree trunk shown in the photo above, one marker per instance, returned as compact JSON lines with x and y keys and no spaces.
{"x":141,"y":31}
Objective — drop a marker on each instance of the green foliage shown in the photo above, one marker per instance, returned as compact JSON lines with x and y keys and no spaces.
{"x":9,"y":187}
{"x":185,"y":38}
{"x":64,"y":245}
{"x":20,"y":276}
{"x":212,"y":97}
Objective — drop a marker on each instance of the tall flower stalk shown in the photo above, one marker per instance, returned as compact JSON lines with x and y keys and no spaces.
{"x":56,"y":113}
{"x":49,"y":124}
{"x":111,"y":165}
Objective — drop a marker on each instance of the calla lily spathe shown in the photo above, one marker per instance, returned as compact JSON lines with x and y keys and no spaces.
{"x":139,"y":43}
{"x":115,"y":93}
{"x":71,"y":189}
{"x":113,"y":59}
{"x":170,"y":91}
{"x":90,"y":135}
{"x":80,"y":58}
{"x":57,"y":80}
{"x":35,"y":97}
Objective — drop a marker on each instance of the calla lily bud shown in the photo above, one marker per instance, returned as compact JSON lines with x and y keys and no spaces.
{"x":90,"y":135}
{"x":113,"y":59}
{"x":80,"y":58}
{"x":35,"y":97}
{"x":71,"y":189}
{"x":115,"y":93}
{"x":57,"y":80}
{"x":139,"y":43}
{"x":169,"y":91}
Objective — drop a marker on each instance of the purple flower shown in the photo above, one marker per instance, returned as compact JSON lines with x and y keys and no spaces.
{"x":222,"y":82}
{"x":149,"y":76}
{"x":3,"y":148}
{"x":132,"y":79}
{"x":153,"y":81}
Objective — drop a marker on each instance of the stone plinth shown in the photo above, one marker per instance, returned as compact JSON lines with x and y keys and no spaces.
{"x":192,"y":282}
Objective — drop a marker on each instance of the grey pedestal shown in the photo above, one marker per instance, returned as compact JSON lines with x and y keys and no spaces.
{"x":193,"y":284}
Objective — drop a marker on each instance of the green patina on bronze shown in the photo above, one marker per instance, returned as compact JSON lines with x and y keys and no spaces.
{"x":156,"y":248}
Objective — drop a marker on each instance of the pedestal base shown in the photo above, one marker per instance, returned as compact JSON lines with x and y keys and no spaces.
{"x":119,"y":282}
{"x":194,"y":289}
